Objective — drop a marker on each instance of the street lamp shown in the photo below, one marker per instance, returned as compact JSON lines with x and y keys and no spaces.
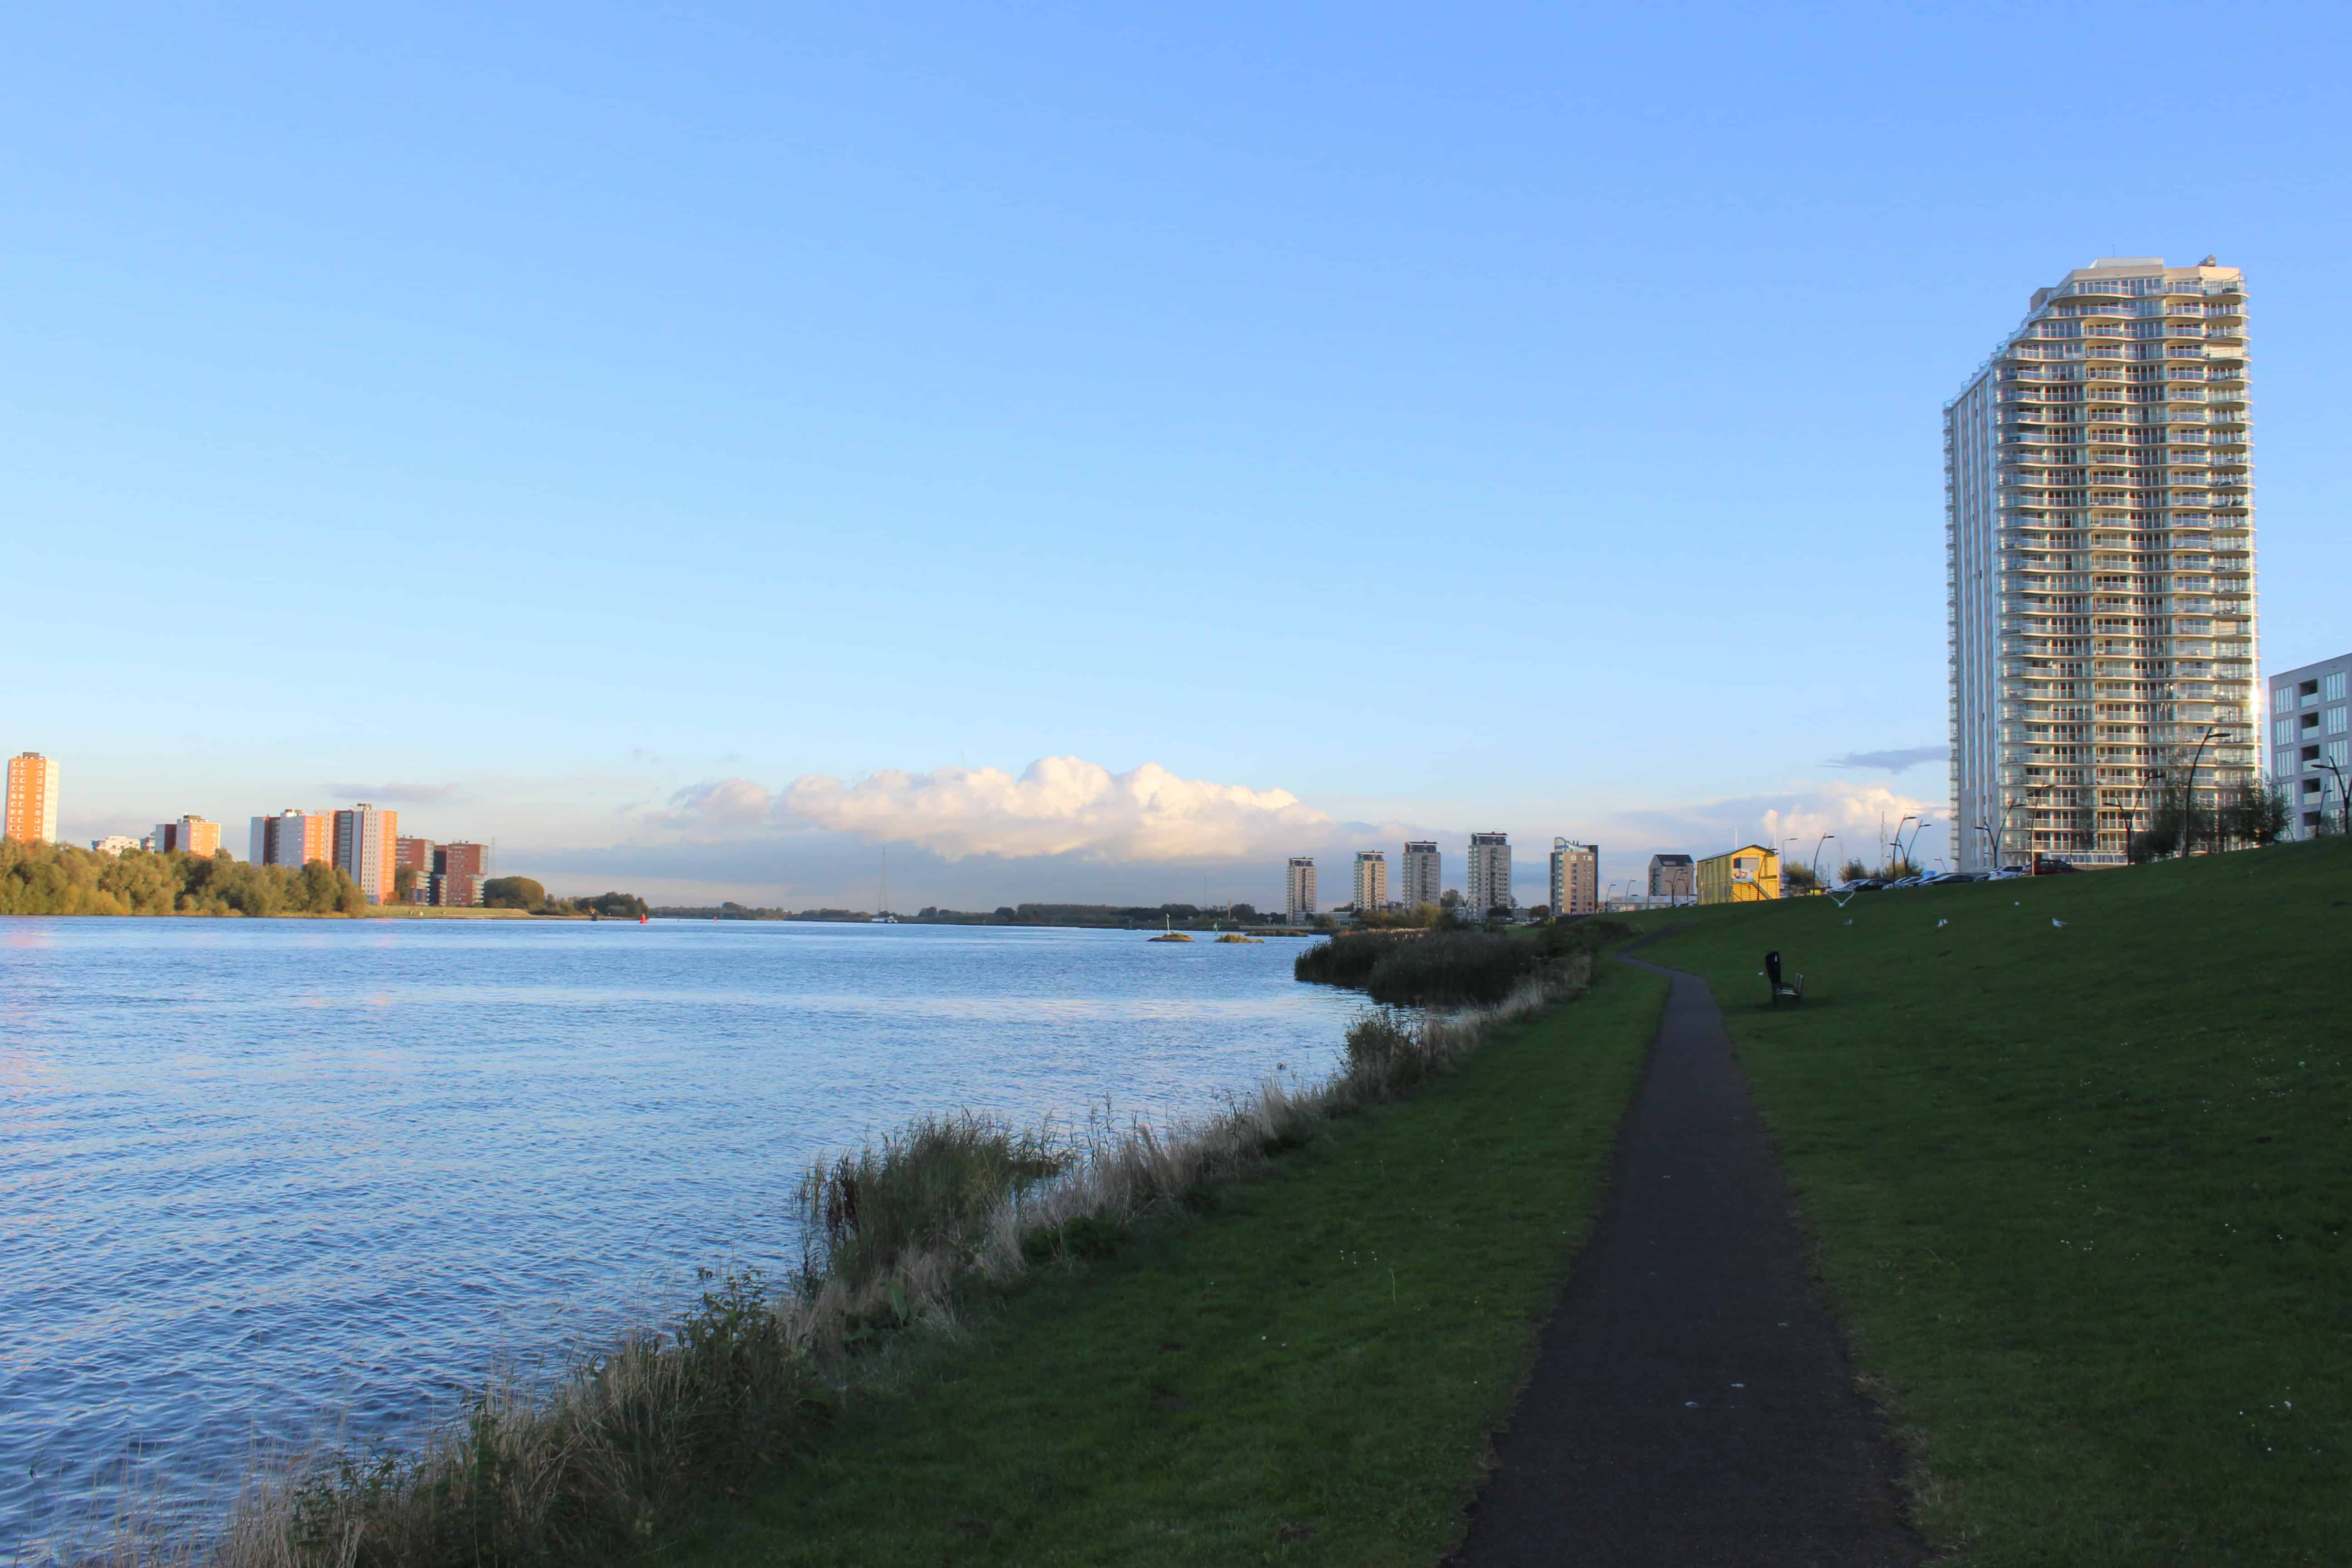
{"x":2031,"y":791}
{"x":2188,"y":796}
{"x":1817,"y":856}
{"x":2343,"y":801}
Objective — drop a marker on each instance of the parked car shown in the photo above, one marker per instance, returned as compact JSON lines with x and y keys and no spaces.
{"x":1862,"y":885}
{"x":2006,"y":872}
{"x":2052,"y":866}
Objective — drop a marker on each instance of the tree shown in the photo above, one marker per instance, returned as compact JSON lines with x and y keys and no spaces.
{"x":1449,"y":898}
{"x":1852,"y":871}
{"x":403,"y":882}
{"x":1244,"y":913}
{"x":513,"y":893}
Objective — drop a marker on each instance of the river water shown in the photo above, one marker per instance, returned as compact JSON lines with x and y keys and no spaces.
{"x":262,"y":1181}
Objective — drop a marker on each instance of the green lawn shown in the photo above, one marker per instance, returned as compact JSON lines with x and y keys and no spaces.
{"x":1307,"y":1373}
{"x":2081,"y":1193}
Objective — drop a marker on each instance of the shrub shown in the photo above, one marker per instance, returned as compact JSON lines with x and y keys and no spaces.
{"x":930,"y":1187}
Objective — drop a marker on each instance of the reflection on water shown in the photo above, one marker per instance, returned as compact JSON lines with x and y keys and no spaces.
{"x":261,"y":1176}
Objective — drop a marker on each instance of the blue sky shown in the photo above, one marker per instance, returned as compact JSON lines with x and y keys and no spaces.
{"x":576,"y":425}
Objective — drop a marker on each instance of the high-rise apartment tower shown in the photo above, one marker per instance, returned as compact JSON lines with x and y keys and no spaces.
{"x":2100,"y":564}
{"x":32,"y":810}
{"x":1575,"y":877}
{"x":1371,"y":881}
{"x":291,"y":838}
{"x":1488,"y":884}
{"x":365,"y":848}
{"x":1299,"y":889}
{"x":1419,"y":879}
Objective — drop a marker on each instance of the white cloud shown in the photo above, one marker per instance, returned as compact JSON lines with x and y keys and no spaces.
{"x":1061,"y":805}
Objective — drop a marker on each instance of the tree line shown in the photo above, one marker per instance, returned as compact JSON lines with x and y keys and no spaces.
{"x":60,"y":880}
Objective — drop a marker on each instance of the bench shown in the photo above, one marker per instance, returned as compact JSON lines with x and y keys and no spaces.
{"x":1793,"y":994}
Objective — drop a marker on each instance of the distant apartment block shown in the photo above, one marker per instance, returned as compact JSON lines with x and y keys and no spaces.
{"x":291,"y":838}
{"x":32,"y":811}
{"x":1298,"y":890}
{"x":1488,"y":885}
{"x":2309,"y":743}
{"x":364,"y":849}
{"x":415,"y":856}
{"x":1749,"y":874}
{"x":189,"y":835}
{"x":1419,"y":881}
{"x":1674,"y":878}
{"x":458,"y":871}
{"x":1372,"y":890}
{"x":1575,"y":877}
{"x":114,"y":843}
{"x":2098,"y":525}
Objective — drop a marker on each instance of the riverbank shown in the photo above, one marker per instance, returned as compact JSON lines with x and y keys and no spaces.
{"x":932,"y":1247}
{"x":1305,"y":1370}
{"x":2071,"y":1150}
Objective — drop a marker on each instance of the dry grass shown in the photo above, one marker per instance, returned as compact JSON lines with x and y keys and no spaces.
{"x":598,"y":1467}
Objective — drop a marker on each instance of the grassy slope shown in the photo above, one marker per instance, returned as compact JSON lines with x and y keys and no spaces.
{"x":1307,"y":1375}
{"x":2082,"y":1193}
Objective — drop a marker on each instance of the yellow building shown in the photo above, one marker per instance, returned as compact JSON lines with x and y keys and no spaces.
{"x":1750,"y":873}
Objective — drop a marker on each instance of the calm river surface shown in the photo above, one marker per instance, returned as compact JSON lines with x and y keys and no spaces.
{"x":260,"y":1179}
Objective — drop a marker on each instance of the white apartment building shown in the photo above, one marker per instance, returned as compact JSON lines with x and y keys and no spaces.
{"x":1488,"y":884}
{"x":1575,"y":877}
{"x":2309,"y":745}
{"x":2099,"y":547}
{"x":114,"y":843}
{"x":1371,"y":881}
{"x":1420,"y":880}
{"x":1299,"y":893}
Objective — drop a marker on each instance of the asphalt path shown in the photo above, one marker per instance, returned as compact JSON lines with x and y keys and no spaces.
{"x":1692,"y":1404}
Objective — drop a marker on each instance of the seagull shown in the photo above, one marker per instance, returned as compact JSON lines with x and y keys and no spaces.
{"x":1941,"y":924}
{"x":2055,"y":921}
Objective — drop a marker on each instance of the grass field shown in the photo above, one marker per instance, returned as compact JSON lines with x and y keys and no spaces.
{"x":2081,"y":1192}
{"x":1306,"y":1374}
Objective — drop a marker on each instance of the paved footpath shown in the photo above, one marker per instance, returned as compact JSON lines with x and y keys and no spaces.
{"x":1692,"y":1404}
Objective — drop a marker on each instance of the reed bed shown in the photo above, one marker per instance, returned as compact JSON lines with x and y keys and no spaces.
{"x":597,"y":1467}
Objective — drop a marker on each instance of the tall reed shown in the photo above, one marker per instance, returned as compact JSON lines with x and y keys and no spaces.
{"x":597,"y":1467}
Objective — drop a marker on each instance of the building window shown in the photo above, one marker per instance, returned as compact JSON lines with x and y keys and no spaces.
{"x":2332,"y":688}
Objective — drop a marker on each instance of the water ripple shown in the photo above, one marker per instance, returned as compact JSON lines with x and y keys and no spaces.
{"x":266,"y":1180}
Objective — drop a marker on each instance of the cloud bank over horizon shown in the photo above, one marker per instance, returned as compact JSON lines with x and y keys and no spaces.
{"x":1068,"y":829}
{"x":1055,"y":806}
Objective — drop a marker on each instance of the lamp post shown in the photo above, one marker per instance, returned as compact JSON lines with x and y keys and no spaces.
{"x":2031,"y":791}
{"x":2343,"y":801}
{"x":2188,"y":796}
{"x":1896,"y":854}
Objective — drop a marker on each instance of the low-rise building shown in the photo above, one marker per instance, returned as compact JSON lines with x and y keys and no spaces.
{"x":2308,"y":744}
{"x":1750,"y":873}
{"x":190,"y":835}
{"x":1489,"y":880}
{"x":1299,"y":889}
{"x":115,"y":843}
{"x":1575,"y":877}
{"x":1674,"y":878}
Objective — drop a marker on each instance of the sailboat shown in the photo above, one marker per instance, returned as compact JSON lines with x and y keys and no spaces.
{"x":883,"y":903}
